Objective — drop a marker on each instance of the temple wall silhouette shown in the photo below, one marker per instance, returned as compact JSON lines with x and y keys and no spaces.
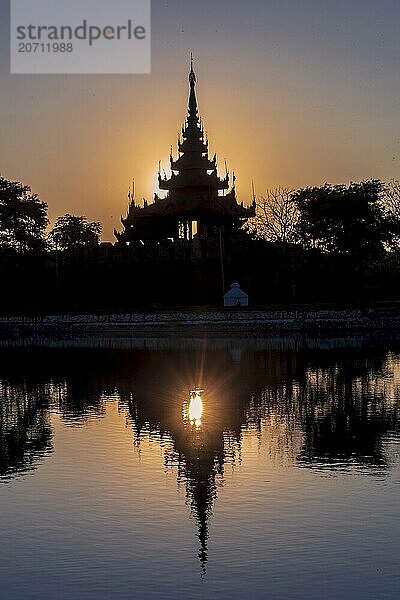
{"x":147,"y":251}
{"x":181,"y":273}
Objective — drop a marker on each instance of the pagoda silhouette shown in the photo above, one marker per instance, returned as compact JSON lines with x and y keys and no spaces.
{"x":198,"y":202}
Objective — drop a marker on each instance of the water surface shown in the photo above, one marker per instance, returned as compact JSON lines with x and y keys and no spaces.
{"x":200,"y":468}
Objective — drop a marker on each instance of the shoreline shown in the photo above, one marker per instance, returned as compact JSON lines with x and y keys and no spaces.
{"x":176,"y":322}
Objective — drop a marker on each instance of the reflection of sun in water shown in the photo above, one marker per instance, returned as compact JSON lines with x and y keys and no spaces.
{"x":195,"y":408}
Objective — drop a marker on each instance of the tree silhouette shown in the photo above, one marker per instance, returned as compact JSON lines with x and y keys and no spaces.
{"x":391,"y":206}
{"x":72,"y":230}
{"x":344,"y":220}
{"x":23,"y":218}
{"x":391,"y":198}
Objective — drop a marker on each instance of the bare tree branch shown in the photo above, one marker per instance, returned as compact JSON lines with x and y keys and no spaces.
{"x":276,"y":216}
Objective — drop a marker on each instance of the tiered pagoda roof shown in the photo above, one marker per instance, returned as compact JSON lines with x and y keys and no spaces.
{"x":193,"y":192}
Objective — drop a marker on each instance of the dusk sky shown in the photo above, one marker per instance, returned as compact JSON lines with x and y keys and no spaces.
{"x":291,"y":93}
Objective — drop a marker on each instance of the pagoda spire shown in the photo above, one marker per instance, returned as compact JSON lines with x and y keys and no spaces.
{"x":193,"y":169}
{"x":192,"y":95}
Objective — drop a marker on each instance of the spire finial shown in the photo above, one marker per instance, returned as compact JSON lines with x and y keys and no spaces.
{"x":192,"y":76}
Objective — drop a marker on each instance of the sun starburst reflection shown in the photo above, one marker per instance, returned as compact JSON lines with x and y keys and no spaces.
{"x":195,"y":410}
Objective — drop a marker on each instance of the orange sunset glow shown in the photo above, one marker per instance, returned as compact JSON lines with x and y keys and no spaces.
{"x":288,"y":100}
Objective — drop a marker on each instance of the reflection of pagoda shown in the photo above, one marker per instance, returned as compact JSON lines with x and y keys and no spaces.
{"x":198,"y":452}
{"x":201,"y":459}
{"x":197,"y":202}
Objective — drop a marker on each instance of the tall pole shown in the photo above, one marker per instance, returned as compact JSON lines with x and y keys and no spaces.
{"x":57,"y":269}
{"x":221,"y":257}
